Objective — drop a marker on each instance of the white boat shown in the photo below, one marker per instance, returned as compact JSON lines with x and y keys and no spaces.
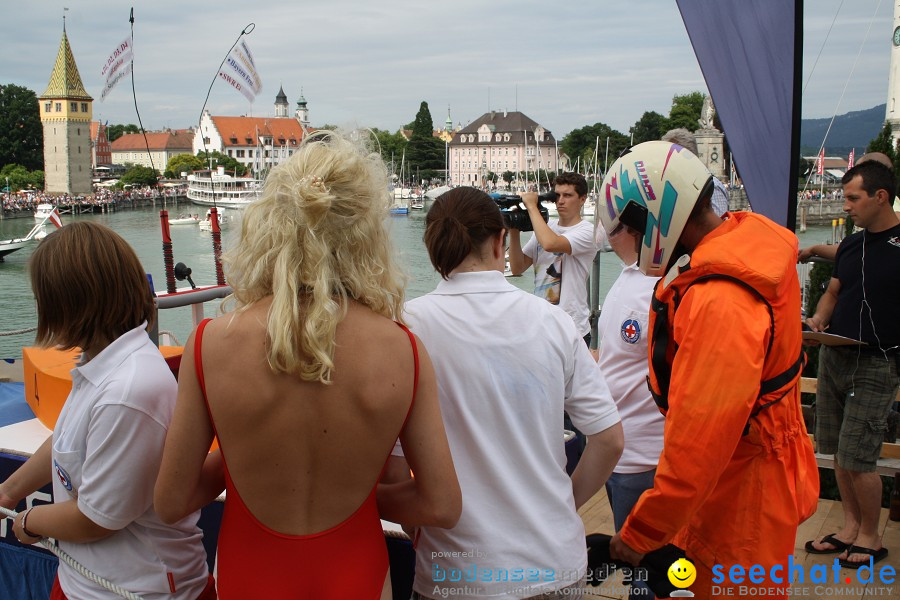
{"x":221,"y":189}
{"x":37,"y":233}
{"x":206,"y":223}
{"x":185,"y":220}
{"x":42,"y":211}
{"x":418,"y":203}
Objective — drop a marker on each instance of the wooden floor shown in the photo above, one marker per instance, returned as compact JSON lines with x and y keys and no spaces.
{"x":597,"y":518}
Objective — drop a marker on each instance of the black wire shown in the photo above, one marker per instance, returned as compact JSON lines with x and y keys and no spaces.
{"x":134,"y":96}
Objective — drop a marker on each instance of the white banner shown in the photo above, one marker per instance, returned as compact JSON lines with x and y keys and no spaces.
{"x":239,"y":71}
{"x":117,"y":66}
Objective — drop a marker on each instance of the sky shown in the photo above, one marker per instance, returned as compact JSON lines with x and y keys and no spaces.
{"x":366,"y":63}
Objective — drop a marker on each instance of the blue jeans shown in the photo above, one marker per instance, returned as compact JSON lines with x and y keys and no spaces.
{"x":623,"y":491}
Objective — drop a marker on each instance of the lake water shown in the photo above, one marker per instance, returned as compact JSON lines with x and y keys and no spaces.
{"x":141,"y":228}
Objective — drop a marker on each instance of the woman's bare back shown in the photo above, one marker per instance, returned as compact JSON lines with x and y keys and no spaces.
{"x":304,"y":455}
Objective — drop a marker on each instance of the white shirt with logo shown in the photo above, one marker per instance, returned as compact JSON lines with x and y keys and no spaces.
{"x":623,"y":341}
{"x":107,"y":448}
{"x":562,"y":278}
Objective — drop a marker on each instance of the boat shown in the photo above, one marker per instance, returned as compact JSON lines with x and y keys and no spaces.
{"x":43,"y":211}
{"x":417,"y":203}
{"x":185,"y":220}
{"x":399,"y":207}
{"x":218,"y":188}
{"x":36,"y":234}
{"x":206,"y":223}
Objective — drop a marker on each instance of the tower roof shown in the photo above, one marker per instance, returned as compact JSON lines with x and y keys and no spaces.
{"x":281,"y":98}
{"x":65,"y":82}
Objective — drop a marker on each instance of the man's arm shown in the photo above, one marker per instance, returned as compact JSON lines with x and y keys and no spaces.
{"x":518,"y":262}
{"x":599,"y":459}
{"x":826,"y":251}
{"x":825,"y":308}
{"x":548,"y":240}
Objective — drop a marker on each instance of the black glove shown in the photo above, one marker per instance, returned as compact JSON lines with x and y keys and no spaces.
{"x":656,"y":563}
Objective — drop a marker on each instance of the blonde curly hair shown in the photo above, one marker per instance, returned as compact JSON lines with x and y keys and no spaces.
{"x":316,"y":239}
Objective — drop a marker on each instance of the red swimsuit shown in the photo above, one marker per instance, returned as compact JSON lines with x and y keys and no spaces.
{"x":348,"y":560}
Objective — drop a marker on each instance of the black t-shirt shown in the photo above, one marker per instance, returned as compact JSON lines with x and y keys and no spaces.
{"x":875,"y":257}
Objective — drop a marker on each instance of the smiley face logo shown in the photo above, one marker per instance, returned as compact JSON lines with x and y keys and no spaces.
{"x":682,"y":573}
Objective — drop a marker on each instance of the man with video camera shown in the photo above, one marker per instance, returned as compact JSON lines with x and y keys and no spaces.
{"x":561,"y":250}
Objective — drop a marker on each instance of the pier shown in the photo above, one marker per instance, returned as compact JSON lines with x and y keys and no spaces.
{"x":88,"y":207}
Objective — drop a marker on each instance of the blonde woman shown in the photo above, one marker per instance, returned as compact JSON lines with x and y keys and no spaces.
{"x":307,"y":385}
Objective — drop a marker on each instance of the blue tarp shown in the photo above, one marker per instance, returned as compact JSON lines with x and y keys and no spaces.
{"x":26,"y":574}
{"x":13,"y":408}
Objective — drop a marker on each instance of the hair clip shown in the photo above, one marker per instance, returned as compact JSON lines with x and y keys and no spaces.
{"x":314,"y":181}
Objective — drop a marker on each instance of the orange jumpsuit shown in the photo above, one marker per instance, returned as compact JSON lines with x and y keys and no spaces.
{"x":732,"y":484}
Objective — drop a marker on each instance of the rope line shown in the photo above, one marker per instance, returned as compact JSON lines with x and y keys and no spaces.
{"x":18,"y":331}
{"x":79,"y":568}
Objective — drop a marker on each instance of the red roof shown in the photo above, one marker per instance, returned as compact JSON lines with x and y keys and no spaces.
{"x":166,"y":140}
{"x":243,"y":131}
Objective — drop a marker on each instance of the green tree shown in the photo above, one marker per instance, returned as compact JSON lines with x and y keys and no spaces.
{"x":21,"y":178}
{"x":651,"y":126}
{"x":114,"y":132}
{"x":685,"y":111}
{"x":21,"y":134}
{"x":139,"y":175}
{"x":219,"y":159}
{"x":580,"y":143}
{"x":183,"y":163}
{"x":508,"y":177}
{"x":424,"y":152}
{"x":391,"y":145}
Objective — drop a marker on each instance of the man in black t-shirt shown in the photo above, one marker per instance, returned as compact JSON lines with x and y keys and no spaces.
{"x":858,"y":384}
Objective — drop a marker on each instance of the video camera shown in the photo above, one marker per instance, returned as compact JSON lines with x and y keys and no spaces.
{"x":515,"y":215}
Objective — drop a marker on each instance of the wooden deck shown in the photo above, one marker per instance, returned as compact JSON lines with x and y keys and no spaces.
{"x":597,"y":518}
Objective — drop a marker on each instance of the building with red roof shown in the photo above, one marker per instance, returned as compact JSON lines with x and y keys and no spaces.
{"x":163,"y":145}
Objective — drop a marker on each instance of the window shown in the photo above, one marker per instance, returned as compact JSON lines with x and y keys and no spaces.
{"x":73,"y":106}
{"x":59,"y":107}
{"x":78,"y":131}
{"x":48,"y":106}
{"x":84,"y":107}
{"x":230,"y":152}
{"x":206,"y":140}
{"x":240,"y":154}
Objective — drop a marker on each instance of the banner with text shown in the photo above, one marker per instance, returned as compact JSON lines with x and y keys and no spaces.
{"x":239,"y":71}
{"x":117,"y":66}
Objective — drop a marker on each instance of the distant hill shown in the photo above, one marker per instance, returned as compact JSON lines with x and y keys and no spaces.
{"x":852,"y":129}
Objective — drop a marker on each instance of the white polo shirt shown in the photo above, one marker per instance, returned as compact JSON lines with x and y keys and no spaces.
{"x":622,"y":332}
{"x":107,"y":448}
{"x":562,"y":278}
{"x":507,"y":364}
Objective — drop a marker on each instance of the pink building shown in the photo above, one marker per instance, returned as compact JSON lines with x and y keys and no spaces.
{"x":498,"y":142}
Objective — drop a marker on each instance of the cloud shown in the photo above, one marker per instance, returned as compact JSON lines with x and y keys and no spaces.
{"x":565,"y":65}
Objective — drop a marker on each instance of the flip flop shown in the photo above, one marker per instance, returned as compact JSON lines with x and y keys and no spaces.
{"x":875,"y":554}
{"x":839,"y":546}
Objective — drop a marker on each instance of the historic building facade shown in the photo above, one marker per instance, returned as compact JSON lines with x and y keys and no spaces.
{"x":65,"y":110}
{"x":132,"y":148}
{"x":497,"y":142}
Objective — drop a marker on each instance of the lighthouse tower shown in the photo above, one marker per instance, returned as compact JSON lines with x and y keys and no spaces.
{"x":65,"y":111}
{"x":893,"y":99}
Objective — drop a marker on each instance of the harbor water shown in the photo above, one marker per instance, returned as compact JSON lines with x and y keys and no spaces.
{"x":141,"y":228}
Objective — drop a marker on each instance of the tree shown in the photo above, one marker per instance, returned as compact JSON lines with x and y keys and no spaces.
{"x":221,"y":160}
{"x":183,"y":163}
{"x":424,"y":152}
{"x":685,"y":111}
{"x":508,"y":177}
{"x":114,"y":132}
{"x":582,"y":142}
{"x":20,"y":178}
{"x":21,"y":133}
{"x":139,"y":175}
{"x":651,"y":126}
{"x":391,"y":145}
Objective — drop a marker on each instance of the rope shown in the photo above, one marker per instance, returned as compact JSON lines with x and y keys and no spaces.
{"x":18,"y":331}
{"x":171,"y":335}
{"x":81,"y":569}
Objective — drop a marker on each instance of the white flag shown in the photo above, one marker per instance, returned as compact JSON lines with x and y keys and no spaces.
{"x":117,"y":66}
{"x":239,"y":71}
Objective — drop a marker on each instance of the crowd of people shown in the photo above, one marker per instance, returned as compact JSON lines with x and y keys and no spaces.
{"x":335,"y":404}
{"x":28,"y":202}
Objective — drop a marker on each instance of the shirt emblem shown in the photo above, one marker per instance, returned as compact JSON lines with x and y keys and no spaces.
{"x":631,"y":331}
{"x":894,"y":241}
{"x":64,"y":478}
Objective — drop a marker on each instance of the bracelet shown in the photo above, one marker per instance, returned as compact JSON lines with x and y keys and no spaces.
{"x":24,"y":527}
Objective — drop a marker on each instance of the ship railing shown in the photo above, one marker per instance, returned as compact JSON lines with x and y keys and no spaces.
{"x":195,"y":298}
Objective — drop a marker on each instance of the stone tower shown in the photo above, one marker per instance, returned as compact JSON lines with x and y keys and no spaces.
{"x":893,"y":98}
{"x":281,"y":103}
{"x":302,"y":111}
{"x":65,"y":109}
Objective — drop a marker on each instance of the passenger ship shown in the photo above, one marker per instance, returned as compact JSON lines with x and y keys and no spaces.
{"x":217,"y":188}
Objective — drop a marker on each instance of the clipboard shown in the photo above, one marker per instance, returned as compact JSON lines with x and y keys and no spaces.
{"x":830,"y":339}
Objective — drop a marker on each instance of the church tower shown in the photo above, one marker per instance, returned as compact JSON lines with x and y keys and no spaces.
{"x":893,"y":99}
{"x":281,"y":103}
{"x":65,"y":109}
{"x":302,"y":111}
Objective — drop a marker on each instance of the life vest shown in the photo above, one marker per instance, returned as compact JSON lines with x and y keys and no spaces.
{"x":742,"y":256}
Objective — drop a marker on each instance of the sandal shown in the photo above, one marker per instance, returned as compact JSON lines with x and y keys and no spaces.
{"x":839,"y":546}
